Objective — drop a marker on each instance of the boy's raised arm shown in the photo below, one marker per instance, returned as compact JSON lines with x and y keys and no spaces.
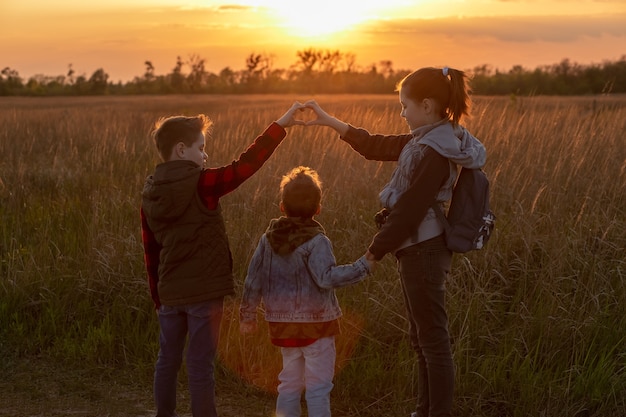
{"x":217,"y":182}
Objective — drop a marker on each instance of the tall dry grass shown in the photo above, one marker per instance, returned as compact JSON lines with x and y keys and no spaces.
{"x":538,"y":317}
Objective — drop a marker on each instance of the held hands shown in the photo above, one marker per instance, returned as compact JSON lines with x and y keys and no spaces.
{"x":288,"y":119}
{"x":371,"y":260}
{"x":321,"y":118}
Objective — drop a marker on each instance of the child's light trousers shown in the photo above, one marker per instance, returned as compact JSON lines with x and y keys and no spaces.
{"x":310,"y":369}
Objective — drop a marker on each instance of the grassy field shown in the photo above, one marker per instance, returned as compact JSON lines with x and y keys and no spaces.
{"x":538,"y":317}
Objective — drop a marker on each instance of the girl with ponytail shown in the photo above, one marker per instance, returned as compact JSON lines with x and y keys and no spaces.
{"x":433,"y":103}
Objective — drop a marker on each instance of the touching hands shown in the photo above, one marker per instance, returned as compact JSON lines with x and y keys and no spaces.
{"x":321,"y":117}
{"x":288,"y":119}
{"x":324,"y":119}
{"x":371,"y":260}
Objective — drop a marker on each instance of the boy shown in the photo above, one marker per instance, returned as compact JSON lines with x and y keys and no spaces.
{"x":294,"y":272}
{"x":187,"y":254}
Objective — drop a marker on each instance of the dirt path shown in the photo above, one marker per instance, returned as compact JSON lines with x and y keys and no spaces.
{"x":36,"y":388}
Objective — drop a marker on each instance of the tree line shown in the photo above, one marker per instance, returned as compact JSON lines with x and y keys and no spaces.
{"x":318,"y":71}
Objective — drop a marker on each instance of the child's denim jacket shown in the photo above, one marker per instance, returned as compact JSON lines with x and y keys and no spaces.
{"x":298,"y":286}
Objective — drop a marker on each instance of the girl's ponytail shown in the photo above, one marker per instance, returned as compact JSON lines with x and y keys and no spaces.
{"x":458,"y":105}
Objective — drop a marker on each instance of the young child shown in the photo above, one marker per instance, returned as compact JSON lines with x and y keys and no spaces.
{"x":187,"y":254}
{"x":294,"y":272}
{"x":433,"y":101}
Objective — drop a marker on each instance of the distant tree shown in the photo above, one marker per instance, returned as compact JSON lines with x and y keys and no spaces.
{"x":328,"y":61}
{"x":614,"y":76}
{"x":8,"y":73}
{"x":564,"y":73}
{"x":307,"y":60}
{"x":70,"y":74}
{"x":252,"y":62}
{"x":323,"y":71}
{"x":41,"y":84}
{"x":227,"y":79}
{"x":10,"y":82}
{"x":149,"y":74}
{"x":176,"y":78}
{"x":98,"y":82}
{"x":517,"y":79}
{"x":386,"y":68}
{"x":349,"y":62}
{"x":198,"y":75}
{"x":254,"y":71}
{"x":257,"y":75}
{"x":312,"y":59}
{"x":81,"y":86}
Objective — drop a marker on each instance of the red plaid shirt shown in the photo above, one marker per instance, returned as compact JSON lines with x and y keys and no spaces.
{"x":213,"y":184}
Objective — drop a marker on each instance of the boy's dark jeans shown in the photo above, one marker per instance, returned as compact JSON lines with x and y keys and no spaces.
{"x":201,"y":322}
{"x":423,"y":269}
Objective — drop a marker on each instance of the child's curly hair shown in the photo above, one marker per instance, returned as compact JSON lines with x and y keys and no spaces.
{"x":301,"y":192}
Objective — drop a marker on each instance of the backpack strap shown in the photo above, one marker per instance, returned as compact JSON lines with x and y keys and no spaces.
{"x":439,"y":211}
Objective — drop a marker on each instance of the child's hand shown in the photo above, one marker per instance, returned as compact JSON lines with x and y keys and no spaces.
{"x":288,"y":118}
{"x":322,"y":119}
{"x":371,"y":260}
{"x":247,"y":327}
{"x":372,"y":265}
{"x":370,"y":256}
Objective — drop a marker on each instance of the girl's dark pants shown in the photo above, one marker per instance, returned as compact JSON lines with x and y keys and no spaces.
{"x":424,"y":268}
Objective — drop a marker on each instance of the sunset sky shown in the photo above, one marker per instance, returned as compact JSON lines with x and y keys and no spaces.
{"x":44,"y":37}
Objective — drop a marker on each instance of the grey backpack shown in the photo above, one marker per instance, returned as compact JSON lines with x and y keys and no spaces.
{"x":470,"y":221}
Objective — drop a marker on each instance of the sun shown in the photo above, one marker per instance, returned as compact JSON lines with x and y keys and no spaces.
{"x":319,"y":18}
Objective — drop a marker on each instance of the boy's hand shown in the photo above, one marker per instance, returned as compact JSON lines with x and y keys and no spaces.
{"x":288,"y":118}
{"x":247,"y":327}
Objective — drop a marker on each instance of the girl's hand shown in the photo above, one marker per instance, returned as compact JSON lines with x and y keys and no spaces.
{"x":322,"y":119}
{"x":288,"y":118}
{"x":325,"y":119}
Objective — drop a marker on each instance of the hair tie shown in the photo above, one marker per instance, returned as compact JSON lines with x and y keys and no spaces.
{"x":445,"y":71}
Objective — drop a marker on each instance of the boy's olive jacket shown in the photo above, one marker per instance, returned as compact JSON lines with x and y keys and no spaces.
{"x":195,"y":262}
